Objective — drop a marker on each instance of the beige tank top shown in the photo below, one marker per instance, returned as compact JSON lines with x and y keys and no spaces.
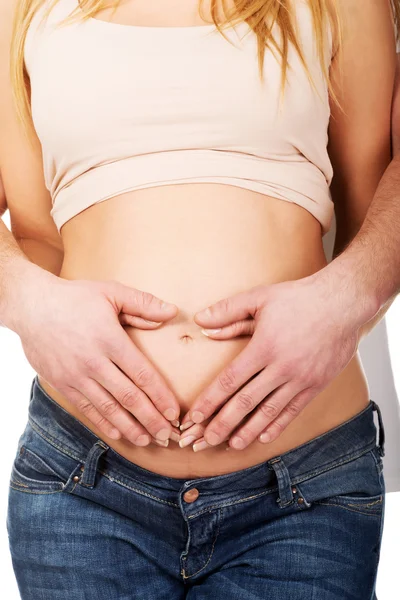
{"x":120,"y":108}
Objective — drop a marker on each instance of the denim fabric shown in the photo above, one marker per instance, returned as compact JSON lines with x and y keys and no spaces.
{"x":85,"y":523}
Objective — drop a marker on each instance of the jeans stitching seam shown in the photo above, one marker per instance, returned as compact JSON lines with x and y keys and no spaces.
{"x":25,"y":457}
{"x":73,"y":487}
{"x":113,"y":479}
{"x":226,"y":504}
{"x":222,"y":505}
{"x":307,"y":476}
{"x":35,"y":481}
{"x":51,"y":441}
{"x":369,"y":503}
{"x":346,"y":507}
{"x":378,"y":466}
{"x":16,"y":482}
{"x":29,"y":491}
{"x":209,"y":558}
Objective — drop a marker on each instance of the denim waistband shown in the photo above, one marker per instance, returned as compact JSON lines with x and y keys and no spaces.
{"x":334,"y":447}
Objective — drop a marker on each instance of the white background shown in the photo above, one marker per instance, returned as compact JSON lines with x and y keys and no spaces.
{"x":15,"y":381}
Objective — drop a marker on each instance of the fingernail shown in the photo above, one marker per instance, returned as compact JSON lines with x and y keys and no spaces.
{"x":238,"y":443}
{"x":153,"y":322}
{"x":187,"y":440}
{"x":175,"y":436}
{"x":200,"y":446}
{"x":175,"y":423}
{"x":204,"y":313}
{"x":213,"y":438}
{"x":162,"y":443}
{"x":197,"y":416}
{"x":143,"y":440}
{"x":265,"y":437}
{"x":170,"y":414}
{"x":166,"y":305}
{"x":210,"y":331}
{"x":186,"y":425}
{"x":114,"y":434}
{"x":163,"y":434}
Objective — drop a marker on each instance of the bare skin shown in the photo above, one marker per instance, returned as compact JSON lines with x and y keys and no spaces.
{"x":206,"y":259}
{"x":3,"y":199}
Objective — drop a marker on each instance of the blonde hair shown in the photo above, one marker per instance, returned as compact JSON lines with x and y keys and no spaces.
{"x":261,"y":16}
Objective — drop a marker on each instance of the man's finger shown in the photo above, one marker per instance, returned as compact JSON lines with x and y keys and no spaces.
{"x":231,"y":309}
{"x":269,"y":409}
{"x":238,"y":372}
{"x":109,"y":407}
{"x":138,"y":322}
{"x":130,"y":396}
{"x":244,"y":327}
{"x":287,"y":415}
{"x":143,"y":304}
{"x":241,"y":404}
{"x":142,"y":372}
{"x":87,"y":408}
{"x":106,"y":404}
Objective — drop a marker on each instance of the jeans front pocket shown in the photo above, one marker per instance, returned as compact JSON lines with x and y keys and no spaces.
{"x":370,"y":506}
{"x":30,"y":473}
{"x":363,"y":489}
{"x":39,"y":467}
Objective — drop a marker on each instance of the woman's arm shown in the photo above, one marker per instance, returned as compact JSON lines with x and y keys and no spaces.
{"x":45,"y":255}
{"x":364,"y":187}
{"x":24,"y":191}
{"x":362,"y":74}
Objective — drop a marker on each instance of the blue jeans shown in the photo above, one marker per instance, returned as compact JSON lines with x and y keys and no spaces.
{"x":87,"y":524}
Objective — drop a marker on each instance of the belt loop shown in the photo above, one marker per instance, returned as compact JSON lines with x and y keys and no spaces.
{"x":90,"y":468}
{"x":381,"y":429}
{"x":284,"y":483}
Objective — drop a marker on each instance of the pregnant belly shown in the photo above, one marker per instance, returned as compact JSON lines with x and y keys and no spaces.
{"x":194,"y":245}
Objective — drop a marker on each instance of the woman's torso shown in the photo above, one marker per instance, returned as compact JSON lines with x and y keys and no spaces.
{"x":192,"y":245}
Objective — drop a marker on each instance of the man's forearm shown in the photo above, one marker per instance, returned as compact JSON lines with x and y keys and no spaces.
{"x":16,"y":270}
{"x":368,"y":269}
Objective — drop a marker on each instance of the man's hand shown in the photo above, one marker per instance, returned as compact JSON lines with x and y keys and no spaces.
{"x":72,"y":335}
{"x":303,"y":332}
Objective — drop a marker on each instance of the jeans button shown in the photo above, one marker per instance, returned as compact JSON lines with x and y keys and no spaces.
{"x":191,"y":495}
